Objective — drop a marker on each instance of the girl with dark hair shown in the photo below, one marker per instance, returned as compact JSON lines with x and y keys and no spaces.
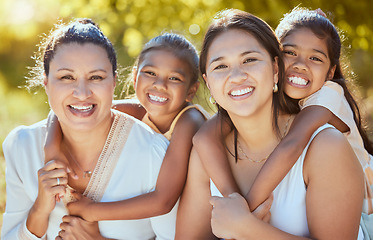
{"x":241,"y":62}
{"x":165,"y":79}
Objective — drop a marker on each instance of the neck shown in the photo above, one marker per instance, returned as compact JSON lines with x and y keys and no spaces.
{"x":163,"y":122}
{"x":256,"y":131}
{"x":85,"y":146}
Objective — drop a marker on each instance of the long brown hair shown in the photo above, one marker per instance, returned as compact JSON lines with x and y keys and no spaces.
{"x":236,"y":19}
{"x":317,"y":22}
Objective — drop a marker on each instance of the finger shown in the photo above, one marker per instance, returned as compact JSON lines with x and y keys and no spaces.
{"x":58,"y":238}
{"x":214,"y":200}
{"x":234,"y":195}
{"x":53,"y":164}
{"x":267,"y":217}
{"x":55,"y":173}
{"x":71,"y":220}
{"x":77,"y":195}
{"x":262,"y":210}
{"x":72,"y":173}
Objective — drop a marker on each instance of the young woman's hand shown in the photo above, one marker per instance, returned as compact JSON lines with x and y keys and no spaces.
{"x":81,"y":207}
{"x":76,"y":228}
{"x":231,"y":215}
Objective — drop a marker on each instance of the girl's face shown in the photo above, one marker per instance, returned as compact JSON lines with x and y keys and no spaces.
{"x":80,"y":86}
{"x":307,"y":63}
{"x":163,"y":83}
{"x":240,"y":73}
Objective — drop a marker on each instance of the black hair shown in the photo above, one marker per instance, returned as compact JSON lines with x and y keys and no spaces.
{"x":237,"y":19}
{"x":323,"y":28}
{"x":79,"y":31}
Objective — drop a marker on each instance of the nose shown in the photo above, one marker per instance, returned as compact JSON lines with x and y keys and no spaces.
{"x":160,"y":83}
{"x":300,"y":64}
{"x":82,"y":90}
{"x":238,"y":74}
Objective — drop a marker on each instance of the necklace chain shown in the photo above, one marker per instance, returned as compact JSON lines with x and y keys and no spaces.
{"x":86,"y":174}
{"x":263,"y":159}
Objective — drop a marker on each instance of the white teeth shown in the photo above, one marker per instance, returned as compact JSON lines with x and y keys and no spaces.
{"x":157,"y":99}
{"x":298,"y":80}
{"x":241,"y":92}
{"x":82,"y":108}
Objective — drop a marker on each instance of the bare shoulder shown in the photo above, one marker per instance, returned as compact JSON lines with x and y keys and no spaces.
{"x":334,"y":180}
{"x":330,"y":151}
{"x":190,"y":119}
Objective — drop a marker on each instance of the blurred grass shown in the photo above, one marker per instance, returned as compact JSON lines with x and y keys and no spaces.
{"x":18,"y":107}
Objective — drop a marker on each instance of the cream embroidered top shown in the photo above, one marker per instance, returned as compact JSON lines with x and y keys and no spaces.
{"x":168,"y":134}
{"x":128,"y":166}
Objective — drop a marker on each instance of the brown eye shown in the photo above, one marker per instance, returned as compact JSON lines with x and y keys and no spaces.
{"x":67,"y":77}
{"x":96,"y":77}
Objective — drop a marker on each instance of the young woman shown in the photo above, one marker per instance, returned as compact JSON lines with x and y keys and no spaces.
{"x":241,"y":63}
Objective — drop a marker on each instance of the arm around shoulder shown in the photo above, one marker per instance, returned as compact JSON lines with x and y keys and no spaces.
{"x":194,"y":213}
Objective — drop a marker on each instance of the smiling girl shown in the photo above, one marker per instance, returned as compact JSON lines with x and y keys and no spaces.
{"x":165,"y":79}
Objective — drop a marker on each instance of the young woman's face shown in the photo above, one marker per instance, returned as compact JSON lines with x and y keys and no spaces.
{"x":307,"y":63}
{"x":240,"y":73}
{"x":80,"y":85}
{"x":163,"y":83}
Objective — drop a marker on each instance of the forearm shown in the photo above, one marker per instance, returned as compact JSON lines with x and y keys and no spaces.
{"x":287,"y":153}
{"x":262,"y":230}
{"x":208,"y":143}
{"x":143,"y":206}
{"x":37,"y":221}
{"x":274,"y":170}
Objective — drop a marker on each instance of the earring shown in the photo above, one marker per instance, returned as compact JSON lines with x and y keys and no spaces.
{"x":275,"y":88}
{"x":212,"y":100}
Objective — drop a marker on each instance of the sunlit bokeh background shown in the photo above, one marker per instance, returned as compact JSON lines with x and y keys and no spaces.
{"x":130,"y":23}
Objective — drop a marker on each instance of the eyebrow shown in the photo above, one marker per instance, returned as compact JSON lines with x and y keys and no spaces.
{"x":242,"y":54}
{"x":181,"y":72}
{"x":70,"y":70}
{"x":314,"y":49}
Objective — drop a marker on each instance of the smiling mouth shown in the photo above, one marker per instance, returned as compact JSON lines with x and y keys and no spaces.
{"x":157,"y":98}
{"x":241,"y":92}
{"x":82,"y":108}
{"x":298,"y":80}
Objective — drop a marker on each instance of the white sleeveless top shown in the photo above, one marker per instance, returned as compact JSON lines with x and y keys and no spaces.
{"x":288,"y":211}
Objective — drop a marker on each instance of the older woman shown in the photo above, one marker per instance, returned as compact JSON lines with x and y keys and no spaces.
{"x":116,"y":156}
{"x":242,"y":66}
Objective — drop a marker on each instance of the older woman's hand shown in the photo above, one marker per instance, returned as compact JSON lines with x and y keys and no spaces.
{"x":76,"y":228}
{"x":231,"y":215}
{"x":52,"y":185}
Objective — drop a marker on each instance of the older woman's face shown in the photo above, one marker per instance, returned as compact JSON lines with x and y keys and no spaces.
{"x":80,"y":86}
{"x":240,"y":73}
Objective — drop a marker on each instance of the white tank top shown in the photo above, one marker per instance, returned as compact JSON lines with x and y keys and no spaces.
{"x":288,"y":211}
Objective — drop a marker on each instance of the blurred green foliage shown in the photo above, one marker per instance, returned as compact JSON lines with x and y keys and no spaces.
{"x":130,"y":23}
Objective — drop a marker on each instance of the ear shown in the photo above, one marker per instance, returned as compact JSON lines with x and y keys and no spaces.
{"x":275,"y":70}
{"x":205,"y":78}
{"x":331,"y":73}
{"x":192,"y":91}
{"x":134,"y":74}
{"x":45,"y":80}
{"x":115,"y":80}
